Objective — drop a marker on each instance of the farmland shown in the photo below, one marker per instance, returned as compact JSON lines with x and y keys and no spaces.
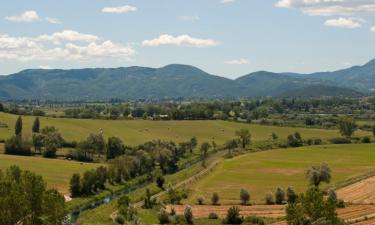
{"x":134,"y":132}
{"x":362,"y":192}
{"x":265,"y":171}
{"x":55,"y":172}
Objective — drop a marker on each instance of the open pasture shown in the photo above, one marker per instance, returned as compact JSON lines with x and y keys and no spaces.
{"x":138,"y":131}
{"x":263,"y":172}
{"x":56,"y":173}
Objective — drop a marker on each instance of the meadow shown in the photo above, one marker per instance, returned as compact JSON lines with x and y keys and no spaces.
{"x":56,"y":173}
{"x":263,"y":172}
{"x":134,"y":132}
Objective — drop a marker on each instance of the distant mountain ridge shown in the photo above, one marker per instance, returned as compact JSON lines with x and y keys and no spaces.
{"x":174,"y":81}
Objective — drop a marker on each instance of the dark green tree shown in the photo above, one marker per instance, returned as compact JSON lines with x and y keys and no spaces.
{"x":347,"y":126}
{"x":53,"y":208}
{"x":215,"y":198}
{"x":279,"y":196}
{"x":36,"y":125}
{"x":75,"y":185}
{"x":115,"y":147}
{"x":291,"y":195}
{"x":160,"y":182}
{"x":319,"y":174}
{"x":245,"y":197}
{"x":233,"y":216}
{"x":244,"y":136}
{"x":18,"y":126}
{"x":188,"y":214}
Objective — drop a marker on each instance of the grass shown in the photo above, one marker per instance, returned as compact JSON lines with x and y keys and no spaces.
{"x":263,"y":172}
{"x":134,"y":132}
{"x":55,"y":172}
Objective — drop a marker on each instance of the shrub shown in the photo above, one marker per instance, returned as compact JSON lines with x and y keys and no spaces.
{"x":366,"y":140}
{"x":233,"y":216}
{"x":279,"y":196}
{"x":340,"y":140}
{"x":188,"y":214}
{"x":244,"y":196}
{"x":120,"y":219}
{"x":16,"y":145}
{"x":291,"y":195}
{"x":255,"y":220}
{"x":163,"y":217}
{"x":200,"y":200}
{"x":269,"y":199}
{"x":213,"y":216}
{"x":215,"y":199}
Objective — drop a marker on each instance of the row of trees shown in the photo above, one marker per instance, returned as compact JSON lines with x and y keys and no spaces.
{"x":24,"y":199}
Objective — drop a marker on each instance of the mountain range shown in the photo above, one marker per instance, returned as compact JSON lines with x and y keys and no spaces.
{"x":180,"y":81}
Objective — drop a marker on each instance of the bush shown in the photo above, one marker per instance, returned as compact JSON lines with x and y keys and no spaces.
{"x":255,"y":220}
{"x":233,"y":216}
{"x":366,"y":140}
{"x":215,"y":199}
{"x":16,"y":145}
{"x":279,"y":196}
{"x":213,"y":216}
{"x":269,"y":199}
{"x":245,"y":197}
{"x":120,"y":219}
{"x":340,"y":140}
{"x":188,"y":214}
{"x":163,"y":217}
{"x":200,"y":200}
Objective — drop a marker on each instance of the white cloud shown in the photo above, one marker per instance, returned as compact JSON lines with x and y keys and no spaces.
{"x":182,"y":40}
{"x":47,"y":49}
{"x":237,"y":62}
{"x":68,"y":35}
{"x":189,"y":18}
{"x":28,"y":16}
{"x":330,"y":7}
{"x":227,"y":1}
{"x":343,"y":22}
{"x":119,"y":9}
{"x":53,"y":20}
{"x":372,"y":29}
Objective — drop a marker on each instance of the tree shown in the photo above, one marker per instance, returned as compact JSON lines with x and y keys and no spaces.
{"x":52,"y":140}
{"x":163,"y":216}
{"x":101,"y":177}
{"x":274,"y":136}
{"x":88,"y":182}
{"x":75,"y":185}
{"x":160,"y":182}
{"x":53,"y":207}
{"x":231,"y":145}
{"x":188,"y":214}
{"x":312,"y":208}
{"x":37,"y":142}
{"x":269,"y":199}
{"x":233,"y":216}
{"x":215,"y":199}
{"x":347,"y":126}
{"x":373,"y":130}
{"x":245,"y":197}
{"x":291,"y":195}
{"x":193,"y":143}
{"x":1,"y":107}
{"x":279,"y":196}
{"x":18,"y":126}
{"x":245,"y":137}
{"x":115,"y":147}
{"x":295,"y":140}
{"x":148,"y":204}
{"x":319,"y":174}
{"x":36,"y":125}
{"x":16,"y":145}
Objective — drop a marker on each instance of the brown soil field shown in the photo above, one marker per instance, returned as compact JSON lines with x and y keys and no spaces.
{"x":202,"y":211}
{"x":362,"y":192}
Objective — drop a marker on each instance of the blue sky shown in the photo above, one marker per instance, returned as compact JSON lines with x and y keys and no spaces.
{"x":224,"y":37}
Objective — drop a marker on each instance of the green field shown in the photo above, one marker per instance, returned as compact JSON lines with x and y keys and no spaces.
{"x":138,"y":131}
{"x":263,"y":172}
{"x":55,"y":172}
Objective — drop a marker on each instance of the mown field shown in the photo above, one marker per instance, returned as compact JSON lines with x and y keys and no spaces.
{"x":263,"y":172}
{"x":55,"y":172}
{"x":138,"y":131}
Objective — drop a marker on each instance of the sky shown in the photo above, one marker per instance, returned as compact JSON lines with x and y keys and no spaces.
{"x":229,"y":38}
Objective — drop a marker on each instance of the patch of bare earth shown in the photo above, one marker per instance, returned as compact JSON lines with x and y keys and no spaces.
{"x":362,"y":192}
{"x":202,"y":211}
